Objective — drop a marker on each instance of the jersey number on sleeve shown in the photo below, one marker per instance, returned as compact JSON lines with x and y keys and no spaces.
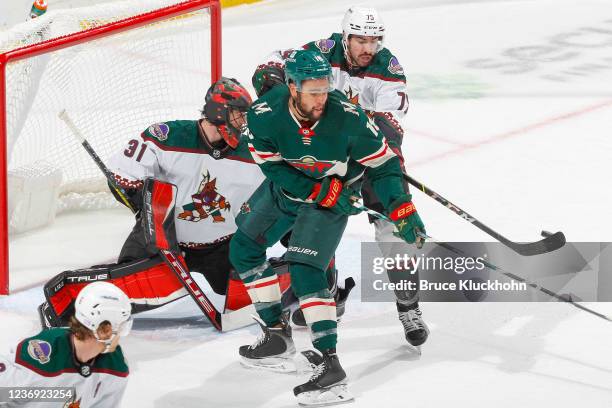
{"x":132,"y":146}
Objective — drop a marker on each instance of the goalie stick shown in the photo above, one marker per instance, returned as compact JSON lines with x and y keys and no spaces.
{"x":562,"y":298}
{"x":221,"y":321}
{"x":550,"y":243}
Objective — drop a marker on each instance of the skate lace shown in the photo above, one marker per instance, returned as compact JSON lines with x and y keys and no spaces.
{"x":318,"y":371}
{"x":411,"y":320}
{"x":261,"y":339}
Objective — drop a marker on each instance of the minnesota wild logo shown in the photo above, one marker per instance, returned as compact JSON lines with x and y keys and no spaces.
{"x":207,"y":202}
{"x":311,"y":166}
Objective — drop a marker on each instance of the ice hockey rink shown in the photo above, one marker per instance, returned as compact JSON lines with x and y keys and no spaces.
{"x":510,"y":118}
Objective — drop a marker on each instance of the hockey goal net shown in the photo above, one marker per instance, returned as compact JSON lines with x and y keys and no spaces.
{"x":116,"y":68}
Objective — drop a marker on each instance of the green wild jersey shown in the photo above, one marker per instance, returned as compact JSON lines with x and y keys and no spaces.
{"x":48,"y":360}
{"x":342,"y":144}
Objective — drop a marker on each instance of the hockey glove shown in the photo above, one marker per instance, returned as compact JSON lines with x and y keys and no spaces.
{"x":407,"y":220}
{"x":267,"y":77}
{"x":331,"y":194}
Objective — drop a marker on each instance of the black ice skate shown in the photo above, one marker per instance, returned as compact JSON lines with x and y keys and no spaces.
{"x":273,"y":350}
{"x":327,"y":386}
{"x":415,"y":329}
{"x":341,"y":296}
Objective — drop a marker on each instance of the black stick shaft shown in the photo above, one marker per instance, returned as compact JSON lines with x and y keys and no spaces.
{"x":548,"y":244}
{"x":527,"y":282}
{"x":500,"y":270}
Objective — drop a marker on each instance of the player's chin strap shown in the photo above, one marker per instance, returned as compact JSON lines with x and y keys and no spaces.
{"x":122,"y":331}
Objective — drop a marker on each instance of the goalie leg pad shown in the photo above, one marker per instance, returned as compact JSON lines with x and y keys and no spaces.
{"x":149,"y":283}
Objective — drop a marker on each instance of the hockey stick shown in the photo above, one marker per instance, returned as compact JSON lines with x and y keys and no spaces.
{"x":551,"y":242}
{"x":566,"y":299}
{"x":229,"y":320}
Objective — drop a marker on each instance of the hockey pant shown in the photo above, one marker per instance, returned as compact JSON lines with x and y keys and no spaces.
{"x":315,"y":235}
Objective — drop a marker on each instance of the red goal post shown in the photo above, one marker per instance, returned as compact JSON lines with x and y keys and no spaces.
{"x":77,"y":38}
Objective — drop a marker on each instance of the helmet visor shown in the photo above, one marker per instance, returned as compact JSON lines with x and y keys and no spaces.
{"x":319,"y":85}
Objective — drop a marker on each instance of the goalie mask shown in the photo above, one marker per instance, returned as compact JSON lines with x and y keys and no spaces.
{"x":226,"y":102}
{"x":364,"y":22}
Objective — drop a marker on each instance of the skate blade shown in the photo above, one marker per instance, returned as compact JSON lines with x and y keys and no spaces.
{"x":338,"y":394}
{"x":276,"y":365}
{"x":415,"y":349}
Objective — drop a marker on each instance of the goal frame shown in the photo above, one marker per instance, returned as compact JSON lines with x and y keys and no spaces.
{"x":75,"y":39}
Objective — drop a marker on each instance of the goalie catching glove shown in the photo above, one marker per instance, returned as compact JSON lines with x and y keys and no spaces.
{"x":333,"y":195}
{"x":407,"y":221}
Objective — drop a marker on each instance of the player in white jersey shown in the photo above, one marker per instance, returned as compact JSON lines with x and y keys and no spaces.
{"x":370,"y":75}
{"x":214,"y":174}
{"x":84,"y":359}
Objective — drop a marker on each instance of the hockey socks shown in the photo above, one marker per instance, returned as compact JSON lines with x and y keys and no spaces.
{"x":317,"y":304}
{"x":263,"y":287}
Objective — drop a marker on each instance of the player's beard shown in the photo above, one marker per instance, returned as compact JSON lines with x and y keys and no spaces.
{"x":363,"y":59}
{"x":310,"y":114}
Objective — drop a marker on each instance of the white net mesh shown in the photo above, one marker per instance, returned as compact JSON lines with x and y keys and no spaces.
{"x":113,"y":88}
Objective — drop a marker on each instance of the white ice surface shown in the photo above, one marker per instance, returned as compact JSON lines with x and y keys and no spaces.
{"x":522,"y":151}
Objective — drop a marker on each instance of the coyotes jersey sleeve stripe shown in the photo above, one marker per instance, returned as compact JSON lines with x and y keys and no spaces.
{"x":165,"y":147}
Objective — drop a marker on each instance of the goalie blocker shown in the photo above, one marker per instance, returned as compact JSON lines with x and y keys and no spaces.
{"x":150,"y":282}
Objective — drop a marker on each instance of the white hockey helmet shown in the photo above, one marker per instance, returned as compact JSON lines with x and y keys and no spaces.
{"x":362,"y":21}
{"x":101,"y":302}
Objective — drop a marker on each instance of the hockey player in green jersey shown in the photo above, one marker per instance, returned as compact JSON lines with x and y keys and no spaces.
{"x":86,"y":356}
{"x":313,"y":146}
{"x":371,"y":76}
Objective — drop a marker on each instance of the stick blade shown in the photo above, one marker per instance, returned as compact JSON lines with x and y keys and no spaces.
{"x":551,"y":243}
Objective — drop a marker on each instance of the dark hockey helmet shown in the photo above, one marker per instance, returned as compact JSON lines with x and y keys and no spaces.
{"x":223,"y":99}
{"x":302,"y":65}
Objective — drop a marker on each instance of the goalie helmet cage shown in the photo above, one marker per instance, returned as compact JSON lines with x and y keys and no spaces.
{"x":169,"y":19}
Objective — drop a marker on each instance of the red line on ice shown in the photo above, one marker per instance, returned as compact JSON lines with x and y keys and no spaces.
{"x":508,"y":134}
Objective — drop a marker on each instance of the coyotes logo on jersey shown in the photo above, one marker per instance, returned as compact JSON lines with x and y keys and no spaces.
{"x":206,"y":202}
{"x":351,"y":93}
{"x":73,"y":404}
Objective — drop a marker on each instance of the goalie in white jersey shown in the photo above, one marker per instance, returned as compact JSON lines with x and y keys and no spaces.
{"x":84,"y":359}
{"x":371,"y":76}
{"x":214,"y":174}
